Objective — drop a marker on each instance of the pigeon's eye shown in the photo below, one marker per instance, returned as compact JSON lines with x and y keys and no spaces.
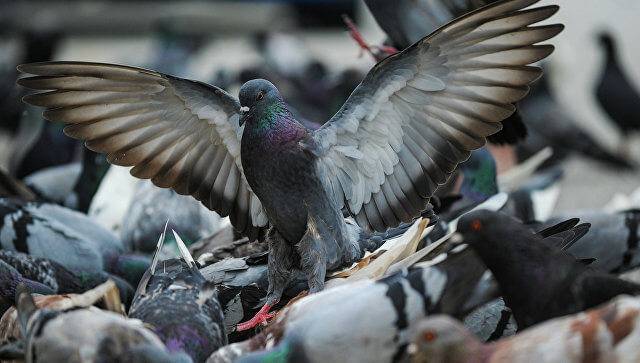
{"x":429,"y":336}
{"x":476,"y":225}
{"x":260,"y":96}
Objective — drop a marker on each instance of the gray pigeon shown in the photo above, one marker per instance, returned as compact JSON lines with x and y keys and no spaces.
{"x":613,"y":240}
{"x":400,"y":135}
{"x":86,"y":335}
{"x":375,"y":317}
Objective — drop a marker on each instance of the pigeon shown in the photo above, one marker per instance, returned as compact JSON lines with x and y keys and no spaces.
{"x":180,"y":305}
{"x":151,"y":206}
{"x":377,"y":314}
{"x":401,"y":133}
{"x":242,"y":283}
{"x":550,"y":124}
{"x":86,"y":335}
{"x":614,"y":239}
{"x":606,"y":334}
{"x":67,"y":237}
{"x":407,"y":21}
{"x":10,"y":279}
{"x":72,"y":185}
{"x":494,"y":320}
{"x":538,"y":281}
{"x":479,"y":177}
{"x":58,"y":278}
{"x":615,"y":93}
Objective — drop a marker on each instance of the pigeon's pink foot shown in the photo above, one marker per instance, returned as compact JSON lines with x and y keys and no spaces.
{"x":356,"y":35}
{"x":377,"y":52}
{"x":261,"y":317}
{"x":388,"y":49}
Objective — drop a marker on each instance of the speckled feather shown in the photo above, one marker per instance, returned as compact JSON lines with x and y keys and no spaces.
{"x":181,"y":307}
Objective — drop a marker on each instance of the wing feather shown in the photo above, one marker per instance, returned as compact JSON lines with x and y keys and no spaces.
{"x":180,"y":134}
{"x":419,"y":113}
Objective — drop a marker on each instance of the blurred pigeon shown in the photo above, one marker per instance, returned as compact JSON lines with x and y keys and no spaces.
{"x":67,"y":237}
{"x":87,"y":335}
{"x":615,"y":92}
{"x":606,"y":334}
{"x":407,"y":21}
{"x":307,"y":328}
{"x":180,"y":305}
{"x":10,"y":279}
{"x":538,"y":281}
{"x":400,"y":134}
{"x":11,"y":187}
{"x":38,"y":46}
{"x":479,"y":174}
{"x":149,"y":209}
{"x":72,"y":185}
{"x":536,"y":199}
{"x":59,"y":279}
{"x":549,"y":124}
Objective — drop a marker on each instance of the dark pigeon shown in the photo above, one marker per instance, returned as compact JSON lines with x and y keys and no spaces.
{"x":549,"y":124}
{"x":398,"y":137}
{"x":180,"y":306}
{"x":10,"y":279}
{"x":494,"y":320}
{"x":538,"y":281}
{"x":615,"y":92}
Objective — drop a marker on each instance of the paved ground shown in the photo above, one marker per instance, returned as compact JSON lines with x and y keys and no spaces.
{"x":589,"y":184}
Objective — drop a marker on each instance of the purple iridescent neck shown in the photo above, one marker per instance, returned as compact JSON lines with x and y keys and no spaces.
{"x":275,"y":123}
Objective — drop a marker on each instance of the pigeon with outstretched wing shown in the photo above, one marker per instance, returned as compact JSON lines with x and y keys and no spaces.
{"x":412,"y":120}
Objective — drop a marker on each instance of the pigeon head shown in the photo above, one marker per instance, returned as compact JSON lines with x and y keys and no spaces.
{"x":442,"y":339}
{"x":490,"y":234}
{"x":607,"y":42}
{"x":479,"y":182}
{"x":130,"y":267}
{"x":256,"y":97}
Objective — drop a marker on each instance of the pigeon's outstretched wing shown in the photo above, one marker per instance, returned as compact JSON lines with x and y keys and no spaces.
{"x":407,"y":21}
{"x":420,"y":112}
{"x":180,"y":134}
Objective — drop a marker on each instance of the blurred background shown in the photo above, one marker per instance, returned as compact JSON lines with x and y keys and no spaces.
{"x":305,"y":49}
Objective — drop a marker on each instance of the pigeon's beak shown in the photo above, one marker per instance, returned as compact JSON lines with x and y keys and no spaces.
{"x":243,"y":112}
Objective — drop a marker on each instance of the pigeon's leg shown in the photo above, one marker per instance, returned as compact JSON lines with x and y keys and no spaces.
{"x":313,"y":254}
{"x":377,"y":52}
{"x":280,"y":264}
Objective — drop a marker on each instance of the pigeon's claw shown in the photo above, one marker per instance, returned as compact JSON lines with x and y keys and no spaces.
{"x":356,"y":35}
{"x":377,"y":52}
{"x":261,"y":317}
{"x":389,"y":50}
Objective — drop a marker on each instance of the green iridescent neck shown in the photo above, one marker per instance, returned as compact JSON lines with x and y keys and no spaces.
{"x":270,"y":115}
